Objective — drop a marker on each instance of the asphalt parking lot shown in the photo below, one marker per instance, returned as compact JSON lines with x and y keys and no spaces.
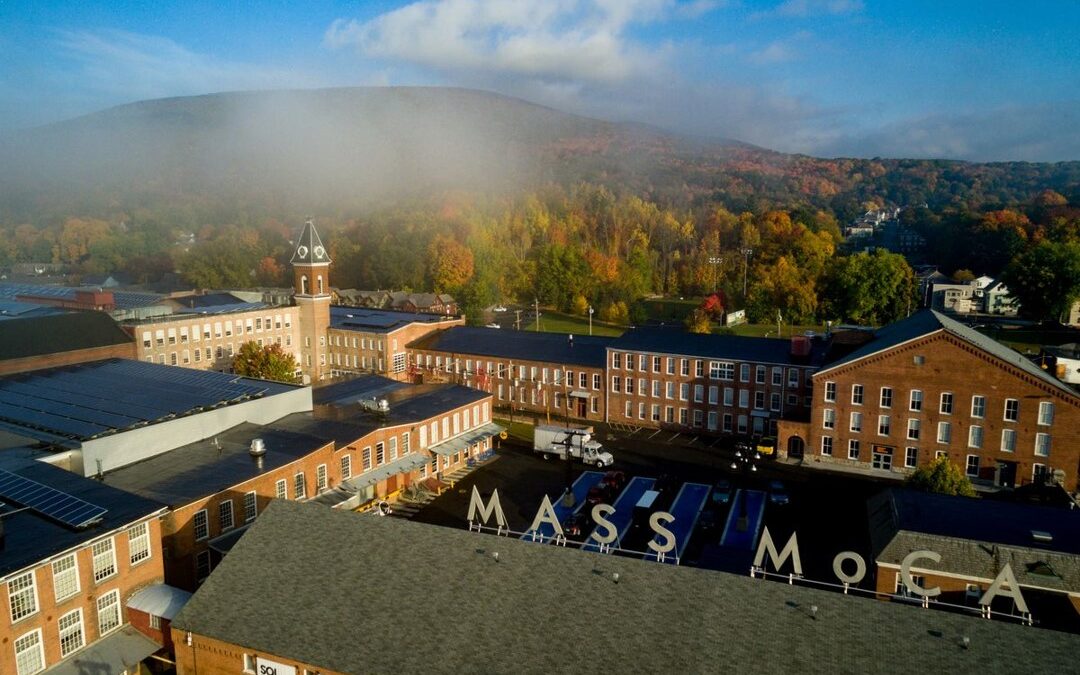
{"x":828,"y":511}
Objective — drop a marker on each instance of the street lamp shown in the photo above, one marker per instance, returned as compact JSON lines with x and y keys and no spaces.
{"x":590,"y":319}
{"x":747,"y":252}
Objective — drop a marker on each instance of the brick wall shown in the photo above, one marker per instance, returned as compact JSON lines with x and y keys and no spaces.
{"x":122,"y":351}
{"x":352,"y":351}
{"x":943,"y":364}
{"x":128,"y":579}
{"x":208,"y":656}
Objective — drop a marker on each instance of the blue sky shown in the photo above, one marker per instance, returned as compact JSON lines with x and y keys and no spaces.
{"x":990,"y":80}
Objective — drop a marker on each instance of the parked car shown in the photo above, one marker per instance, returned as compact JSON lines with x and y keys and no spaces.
{"x":778,"y":493}
{"x":599,"y":494}
{"x":575,"y":525}
{"x":498,"y":308}
{"x":492,"y":325}
{"x":614,"y":480}
{"x":708,"y":520}
{"x":721,"y":493}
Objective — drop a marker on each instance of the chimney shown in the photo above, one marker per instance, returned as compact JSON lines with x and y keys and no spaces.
{"x":800,"y":345}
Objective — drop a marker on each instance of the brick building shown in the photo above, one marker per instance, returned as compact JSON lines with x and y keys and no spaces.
{"x":38,"y":338}
{"x":928,"y":386}
{"x":533,"y":608}
{"x":541,"y":373}
{"x":373,"y":341}
{"x":718,"y":384}
{"x":68,"y":573}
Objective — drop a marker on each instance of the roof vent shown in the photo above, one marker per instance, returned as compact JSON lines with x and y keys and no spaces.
{"x":1040,"y":537}
{"x":258,"y":448}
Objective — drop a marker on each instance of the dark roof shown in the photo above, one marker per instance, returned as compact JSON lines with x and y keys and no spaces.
{"x":421,"y":402}
{"x":369,"y":320}
{"x":53,"y":333}
{"x":211,"y":465}
{"x":728,"y":347}
{"x":354,"y":390}
{"x":30,"y":538}
{"x":977,"y":537}
{"x":205,"y":300}
{"x":309,"y":247}
{"x":76,"y":403}
{"x":552,"y":609}
{"x":521,"y":345}
{"x":929,"y":321}
{"x":122,"y":299}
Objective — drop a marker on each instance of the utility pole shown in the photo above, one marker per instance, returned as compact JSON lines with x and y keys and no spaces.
{"x":517,"y":319}
{"x":536,"y":311}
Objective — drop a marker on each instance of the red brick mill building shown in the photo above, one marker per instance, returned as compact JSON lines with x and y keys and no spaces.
{"x":928,"y":386}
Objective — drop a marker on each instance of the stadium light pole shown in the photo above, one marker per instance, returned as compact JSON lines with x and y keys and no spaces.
{"x":715,"y":261}
{"x":747,"y":252}
{"x":590,"y":319}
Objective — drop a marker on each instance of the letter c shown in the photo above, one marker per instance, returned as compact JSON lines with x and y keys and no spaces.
{"x":905,"y":573}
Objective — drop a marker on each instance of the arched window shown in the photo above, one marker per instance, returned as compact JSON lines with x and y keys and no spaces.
{"x":303,"y":284}
{"x":320,"y":285}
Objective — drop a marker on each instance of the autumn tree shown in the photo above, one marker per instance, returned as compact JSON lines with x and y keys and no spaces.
{"x":269,"y":362}
{"x":1045,"y":279}
{"x":942,"y":477}
{"x":450,"y":264}
{"x":698,"y":321}
{"x":782,"y":287}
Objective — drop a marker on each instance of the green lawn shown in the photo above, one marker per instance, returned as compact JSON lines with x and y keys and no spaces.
{"x":518,"y":430}
{"x":557,"y":322}
{"x":769,"y":330}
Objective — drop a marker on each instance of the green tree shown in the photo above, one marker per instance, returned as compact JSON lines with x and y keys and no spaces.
{"x":269,"y":362}
{"x":1045,"y":279}
{"x":943,"y":477}
{"x":963,"y":276}
{"x":870,"y":288}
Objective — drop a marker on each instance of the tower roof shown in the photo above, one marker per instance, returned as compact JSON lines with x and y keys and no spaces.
{"x":309,"y":248}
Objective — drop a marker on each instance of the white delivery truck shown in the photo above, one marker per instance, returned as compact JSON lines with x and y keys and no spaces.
{"x":552,"y":440}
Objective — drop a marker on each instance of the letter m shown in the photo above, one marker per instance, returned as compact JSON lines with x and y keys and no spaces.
{"x":791,"y":550}
{"x":476,"y":503}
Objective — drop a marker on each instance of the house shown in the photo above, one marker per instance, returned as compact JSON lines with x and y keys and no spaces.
{"x":983,"y":295}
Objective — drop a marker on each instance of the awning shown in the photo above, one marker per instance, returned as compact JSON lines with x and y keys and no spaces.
{"x":119,"y":651}
{"x":579,"y":394}
{"x":159,"y":600}
{"x":224,"y":543}
{"x":467,"y":439}
{"x":402,"y":465}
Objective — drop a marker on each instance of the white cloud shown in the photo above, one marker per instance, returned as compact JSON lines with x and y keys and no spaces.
{"x":801,"y":9}
{"x":556,"y":40}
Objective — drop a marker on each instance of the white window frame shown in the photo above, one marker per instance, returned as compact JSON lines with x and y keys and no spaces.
{"x":1042,"y":439}
{"x":251,"y":506}
{"x":139,"y":549}
{"x":68,"y":578}
{"x":1015,"y":410}
{"x":200,"y":523}
{"x":74,"y":628}
{"x":967,"y":466}
{"x":100,"y":572}
{"x":978,"y":403}
{"x":105,"y":603}
{"x":1046,"y":413}
{"x":30,"y":591}
{"x":36,"y":644}
{"x":226,"y":515}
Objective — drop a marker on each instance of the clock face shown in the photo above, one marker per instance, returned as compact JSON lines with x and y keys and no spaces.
{"x":320,"y":251}
{"x":302,"y":251}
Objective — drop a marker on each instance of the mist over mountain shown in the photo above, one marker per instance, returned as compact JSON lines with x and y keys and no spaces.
{"x":318,"y":151}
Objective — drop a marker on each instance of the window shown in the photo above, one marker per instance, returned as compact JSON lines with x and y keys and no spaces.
{"x":978,"y":406}
{"x":656,"y":388}
{"x":884,"y":424}
{"x":828,"y":420}
{"x":1042,"y":445}
{"x":65,"y":577}
{"x":774,"y":401}
{"x":741,"y":421}
{"x":699,"y":368}
{"x":915,"y":403}
{"x":22,"y":592}
{"x":729,"y":396}
{"x":886,"y":397}
{"x":249,"y":663}
{"x":320,"y":478}
{"x":108,"y":612}
{"x":902,"y":589}
{"x":826,"y":446}
{"x":792,"y":378}
{"x":699,"y":393}
{"x":656,"y":364}
{"x":380,"y":447}
{"x":777,"y":376}
{"x":975,"y":436}
{"x":944,"y":432}
{"x":139,"y":543}
{"x":1012,"y":410}
{"x":714,"y":395}
{"x":856,"y":422}
{"x":727,"y":422}
{"x":759,"y":400}
{"x":1008,"y":440}
{"x":1046,"y":413}
{"x":913,"y":427}
{"x":712,"y":420}
{"x":29,"y":653}
{"x":684,"y":367}
{"x":853,"y":448}
{"x":714,"y":370}
{"x":299,"y":486}
{"x":946,"y":404}
{"x":616,"y":360}
{"x":744,"y":372}
{"x":251,"y":506}
{"x":595,"y":381}
{"x":684,"y":391}
{"x":629,"y":385}
{"x":281,"y":489}
{"x":642,"y":362}
{"x":71,"y":632}
{"x":202,"y":565}
{"x":225,"y":515}
{"x":856,"y":394}
{"x":830,"y":392}
{"x":744,"y":398}
{"x":655,"y":413}
{"x":346,"y":466}
{"x":202,"y":528}
{"x":616,"y":384}
{"x":105,"y":559}
{"x":972,"y":467}
{"x":911,"y":458}
{"x":759,"y":375}
{"x":365,"y":456}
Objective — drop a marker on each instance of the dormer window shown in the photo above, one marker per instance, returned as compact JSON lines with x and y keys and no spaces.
{"x":301,"y":251}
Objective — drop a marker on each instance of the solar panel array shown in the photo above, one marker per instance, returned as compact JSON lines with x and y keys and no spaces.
{"x":49,"y":502}
{"x":123,"y":299}
{"x":98,"y":399}
{"x":375,"y":320}
{"x":223,"y":309}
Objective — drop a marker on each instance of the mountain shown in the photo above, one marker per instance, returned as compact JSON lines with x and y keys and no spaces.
{"x":340,"y":149}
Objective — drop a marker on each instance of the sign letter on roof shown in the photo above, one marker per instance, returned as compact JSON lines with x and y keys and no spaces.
{"x":791,"y":550}
{"x":905,"y":573}
{"x":1005,"y":577}
{"x":546,"y":514}
{"x":476,"y":503}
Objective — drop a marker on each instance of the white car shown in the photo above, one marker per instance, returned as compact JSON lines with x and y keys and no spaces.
{"x":492,"y":325}
{"x":498,"y":308}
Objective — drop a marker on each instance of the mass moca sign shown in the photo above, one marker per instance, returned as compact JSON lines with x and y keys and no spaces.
{"x":605,"y":534}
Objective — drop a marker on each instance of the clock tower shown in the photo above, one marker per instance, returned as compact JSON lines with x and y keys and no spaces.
{"x":311,"y":293}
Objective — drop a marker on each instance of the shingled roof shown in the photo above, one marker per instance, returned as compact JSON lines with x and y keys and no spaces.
{"x":314,"y":586}
{"x":309,"y":247}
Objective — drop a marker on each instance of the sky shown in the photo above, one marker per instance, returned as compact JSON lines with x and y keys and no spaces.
{"x":986,"y":80}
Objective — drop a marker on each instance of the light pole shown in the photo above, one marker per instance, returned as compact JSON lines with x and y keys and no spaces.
{"x":536,"y":311}
{"x":747,"y":252}
{"x":590,"y":319}
{"x":715,"y":260}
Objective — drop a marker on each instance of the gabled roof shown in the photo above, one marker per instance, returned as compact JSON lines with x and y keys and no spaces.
{"x":309,"y":247}
{"x":542,"y":609}
{"x":927,"y":322}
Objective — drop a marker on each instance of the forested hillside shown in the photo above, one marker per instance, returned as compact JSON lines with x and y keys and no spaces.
{"x":497,"y":199}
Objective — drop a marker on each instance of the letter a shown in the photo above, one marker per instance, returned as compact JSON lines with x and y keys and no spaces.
{"x":546,"y":514}
{"x":1005,"y":577}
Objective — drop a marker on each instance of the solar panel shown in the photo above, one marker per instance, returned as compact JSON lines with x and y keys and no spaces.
{"x":49,"y":502}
